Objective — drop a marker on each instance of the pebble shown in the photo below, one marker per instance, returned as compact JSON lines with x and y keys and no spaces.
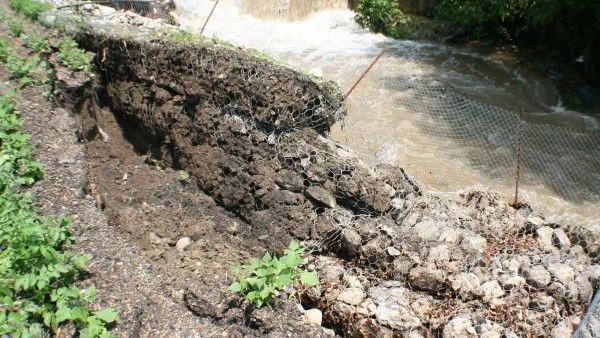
{"x":459,"y":327}
{"x":562,"y":272}
{"x":183,"y":243}
{"x":314,"y":316}
{"x":544,"y":238}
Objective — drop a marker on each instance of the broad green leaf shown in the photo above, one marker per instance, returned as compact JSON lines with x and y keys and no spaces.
{"x":235,"y":287}
{"x":107,"y":315}
{"x":309,"y":278}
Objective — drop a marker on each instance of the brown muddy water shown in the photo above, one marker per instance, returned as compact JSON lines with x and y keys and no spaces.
{"x":448,"y":116}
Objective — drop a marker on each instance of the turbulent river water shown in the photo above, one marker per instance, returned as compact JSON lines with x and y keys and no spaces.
{"x":449,"y":116}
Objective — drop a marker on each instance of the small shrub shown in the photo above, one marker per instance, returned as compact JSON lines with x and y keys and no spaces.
{"x":36,"y":42}
{"x":29,"y":8}
{"x":5,"y":51}
{"x":15,"y":27}
{"x":72,"y":56}
{"x":263,"y":278}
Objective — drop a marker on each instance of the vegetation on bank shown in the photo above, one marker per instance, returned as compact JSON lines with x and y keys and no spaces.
{"x":37,"y":272}
{"x":565,"y":28}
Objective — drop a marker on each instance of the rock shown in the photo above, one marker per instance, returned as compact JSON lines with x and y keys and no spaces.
{"x":393,"y":308}
{"x":466,"y":284}
{"x":594,"y":273}
{"x":491,"y":289}
{"x":510,"y":282}
{"x":314,"y":316}
{"x":183,"y":243}
{"x":352,"y":296}
{"x":427,"y":230}
{"x":459,"y":327}
{"x":561,"y":240}
{"x":450,"y":235}
{"x":328,"y":332}
{"x":353,"y":282}
{"x":544,"y":238}
{"x":351,"y":242}
{"x":541,"y":302}
{"x":439,"y":253}
{"x":426,"y":278}
{"x":411,"y":219}
{"x":561,"y":272}
{"x":488,"y":329}
{"x":535,"y":222}
{"x":537,"y":276}
{"x":473,"y":244}
{"x":332,"y":273}
{"x":393,"y":251}
{"x":512,"y":265}
{"x":562,"y":329}
{"x":322,"y":196}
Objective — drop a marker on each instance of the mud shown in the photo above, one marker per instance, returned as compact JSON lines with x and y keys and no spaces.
{"x":252,"y":136}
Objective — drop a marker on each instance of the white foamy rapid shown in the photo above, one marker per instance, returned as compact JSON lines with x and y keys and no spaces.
{"x":451,"y":114}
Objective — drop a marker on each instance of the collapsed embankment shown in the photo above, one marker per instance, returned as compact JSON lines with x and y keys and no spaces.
{"x":392,"y":260}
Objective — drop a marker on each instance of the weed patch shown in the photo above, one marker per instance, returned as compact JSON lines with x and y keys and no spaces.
{"x":72,"y":56}
{"x":15,"y":27}
{"x":29,"y":8}
{"x":36,"y":42}
{"x":262,"y":279}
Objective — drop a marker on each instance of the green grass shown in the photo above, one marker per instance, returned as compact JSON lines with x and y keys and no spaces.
{"x":29,"y":8}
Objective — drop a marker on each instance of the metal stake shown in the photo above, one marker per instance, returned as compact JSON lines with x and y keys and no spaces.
{"x":519,"y":156}
{"x":364,"y":73}
{"x":209,"y":15}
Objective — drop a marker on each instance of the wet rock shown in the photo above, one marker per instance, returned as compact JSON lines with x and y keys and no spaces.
{"x":393,"y":308}
{"x":561,"y":272}
{"x":314,"y":316}
{"x":491,"y":289}
{"x":537,"y":276}
{"x":544,"y":238}
{"x":352,"y":296}
{"x":561,"y":240}
{"x":183,"y":243}
{"x":459,"y":327}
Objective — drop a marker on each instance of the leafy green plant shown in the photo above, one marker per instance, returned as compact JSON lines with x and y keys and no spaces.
{"x":36,"y":42}
{"x":30,"y":8}
{"x":15,"y":27}
{"x":183,"y":176}
{"x":262,"y":279}
{"x":5,"y":51}
{"x":72,"y":56}
{"x":383,"y":16}
{"x":20,"y":67}
{"x":37,"y":275}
